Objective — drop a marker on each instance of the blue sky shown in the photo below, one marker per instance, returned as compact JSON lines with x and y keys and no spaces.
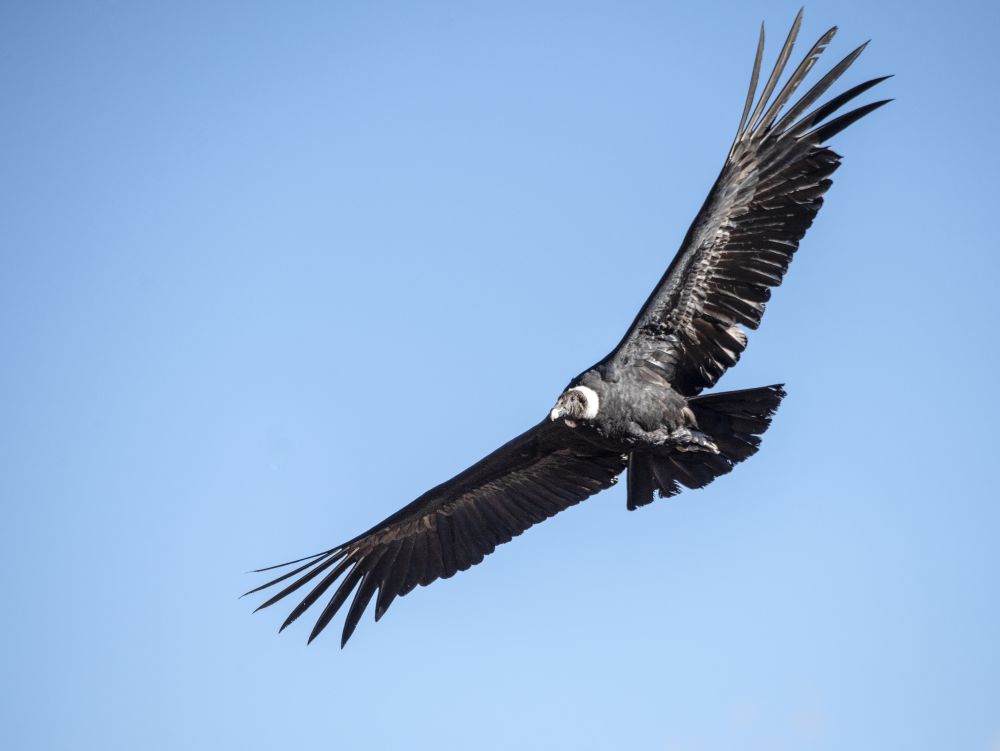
{"x":269,"y":271}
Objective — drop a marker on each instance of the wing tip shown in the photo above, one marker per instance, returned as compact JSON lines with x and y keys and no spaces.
{"x":317,"y":629}
{"x":289,"y":563}
{"x":823,"y":133}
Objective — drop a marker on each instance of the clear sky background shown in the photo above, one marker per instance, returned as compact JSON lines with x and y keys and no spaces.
{"x":271,"y":270}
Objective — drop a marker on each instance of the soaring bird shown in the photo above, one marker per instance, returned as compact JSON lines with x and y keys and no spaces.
{"x":641,"y":408}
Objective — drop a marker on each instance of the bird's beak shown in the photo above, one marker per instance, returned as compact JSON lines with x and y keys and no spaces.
{"x":556,"y":413}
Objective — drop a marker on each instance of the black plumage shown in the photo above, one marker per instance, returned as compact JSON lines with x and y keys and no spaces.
{"x":641,"y":407}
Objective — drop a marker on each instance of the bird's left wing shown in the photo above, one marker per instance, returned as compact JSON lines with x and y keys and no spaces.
{"x":453,"y":526}
{"x":742,"y":241}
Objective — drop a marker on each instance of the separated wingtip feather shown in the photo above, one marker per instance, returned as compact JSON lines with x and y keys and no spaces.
{"x":752,"y":89}
{"x":324,"y":561}
{"x":779,"y":68}
{"x":808,"y":122}
{"x":835,"y":126}
{"x":289,"y":563}
{"x":795,"y":80}
{"x":288,"y":622}
{"x":818,"y":89}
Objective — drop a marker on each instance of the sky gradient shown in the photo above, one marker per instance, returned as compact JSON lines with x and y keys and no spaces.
{"x":270,"y":271}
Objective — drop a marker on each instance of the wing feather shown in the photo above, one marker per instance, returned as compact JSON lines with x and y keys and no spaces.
{"x":392,"y":582}
{"x":453,"y":526}
{"x":754,"y":77}
{"x":741,"y":243}
{"x":779,"y":68}
{"x":788,"y":90}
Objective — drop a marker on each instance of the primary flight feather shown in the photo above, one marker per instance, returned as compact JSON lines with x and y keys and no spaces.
{"x":641,"y":407}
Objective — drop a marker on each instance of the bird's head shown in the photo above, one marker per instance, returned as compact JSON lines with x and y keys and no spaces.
{"x":575,"y":404}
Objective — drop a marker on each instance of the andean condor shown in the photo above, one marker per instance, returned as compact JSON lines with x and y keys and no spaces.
{"x":641,"y":408}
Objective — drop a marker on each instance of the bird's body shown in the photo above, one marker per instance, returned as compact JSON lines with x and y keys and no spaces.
{"x":641,"y":408}
{"x":629,"y":412}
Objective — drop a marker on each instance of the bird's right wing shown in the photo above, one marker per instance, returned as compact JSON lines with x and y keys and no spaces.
{"x":453,"y":526}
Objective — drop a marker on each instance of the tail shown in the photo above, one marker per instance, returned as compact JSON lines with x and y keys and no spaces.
{"x":734,"y":420}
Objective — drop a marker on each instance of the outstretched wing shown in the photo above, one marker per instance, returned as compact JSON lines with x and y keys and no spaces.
{"x":748,"y":229}
{"x":453,"y":526}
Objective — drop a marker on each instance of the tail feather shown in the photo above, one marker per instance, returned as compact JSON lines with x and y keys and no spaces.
{"x":642,"y":481}
{"x":734,"y":420}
